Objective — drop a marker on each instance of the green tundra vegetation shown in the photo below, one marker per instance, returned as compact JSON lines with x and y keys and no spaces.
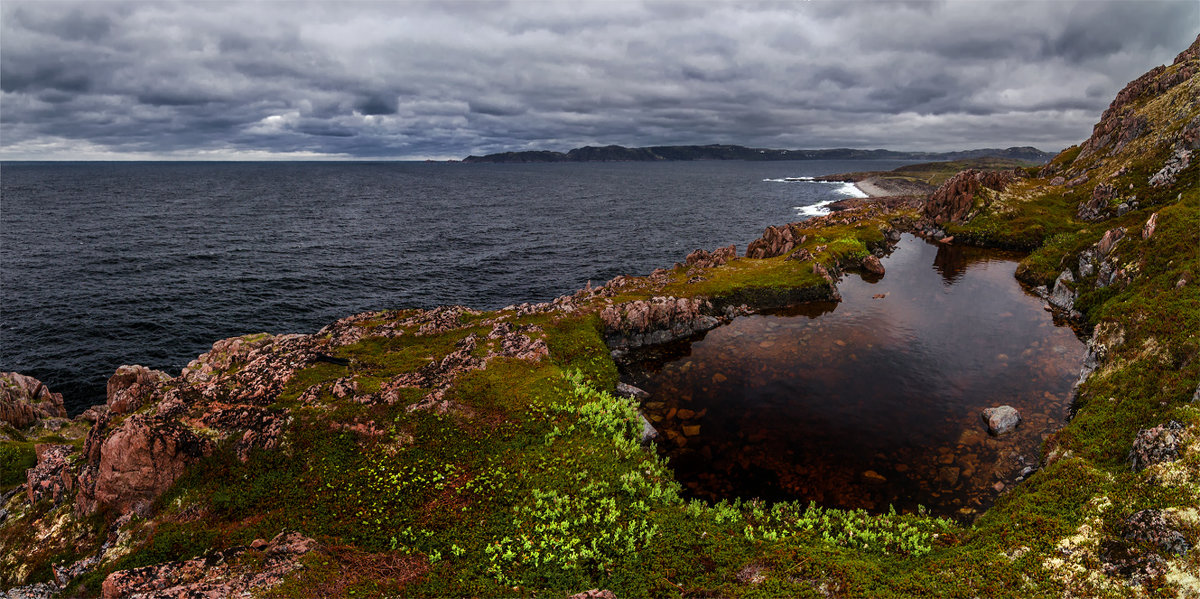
{"x":536,"y":483}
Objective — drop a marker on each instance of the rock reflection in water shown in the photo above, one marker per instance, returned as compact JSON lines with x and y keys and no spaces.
{"x":875,"y":401}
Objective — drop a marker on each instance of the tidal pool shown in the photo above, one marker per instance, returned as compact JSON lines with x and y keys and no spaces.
{"x":875,"y":401}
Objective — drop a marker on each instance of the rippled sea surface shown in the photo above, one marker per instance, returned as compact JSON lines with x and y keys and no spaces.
{"x":875,"y":401}
{"x":103,"y":264}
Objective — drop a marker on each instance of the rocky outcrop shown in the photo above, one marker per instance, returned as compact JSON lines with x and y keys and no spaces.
{"x":706,"y":259}
{"x":1145,"y":537}
{"x":1001,"y":419}
{"x":132,"y":386}
{"x":24,"y":401}
{"x":1156,"y":445}
{"x":1062,"y":296}
{"x":1150,"y":226}
{"x":1096,"y":206}
{"x":51,"y":478}
{"x":235,"y":572}
{"x":1166,"y":176}
{"x":137,"y":463}
{"x":657,"y":320}
{"x":775,"y":241}
{"x":955,"y":199}
{"x":1119,"y":125}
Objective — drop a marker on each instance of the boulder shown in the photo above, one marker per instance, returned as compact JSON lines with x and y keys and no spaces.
{"x":130,"y":387}
{"x":1150,"y":226}
{"x":24,"y":401}
{"x":872,"y":265}
{"x":137,"y":463}
{"x":1001,"y":419}
{"x":649,"y":433}
{"x":1063,"y":295}
{"x":627,"y":390}
{"x":1156,"y":445}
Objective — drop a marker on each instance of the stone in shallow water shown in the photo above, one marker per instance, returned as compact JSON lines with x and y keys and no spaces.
{"x":874,"y":477}
{"x":1001,"y":419}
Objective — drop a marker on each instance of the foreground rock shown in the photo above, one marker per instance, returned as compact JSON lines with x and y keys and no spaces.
{"x":1001,"y":419}
{"x":137,"y":463}
{"x":132,"y":386}
{"x":24,"y":401}
{"x":1156,"y":445}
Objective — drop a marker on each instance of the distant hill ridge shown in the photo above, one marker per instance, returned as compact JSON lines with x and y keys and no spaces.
{"x":616,"y":153}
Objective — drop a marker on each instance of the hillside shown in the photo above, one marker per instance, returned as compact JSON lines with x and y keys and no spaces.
{"x":726,"y":152}
{"x":456,"y":452}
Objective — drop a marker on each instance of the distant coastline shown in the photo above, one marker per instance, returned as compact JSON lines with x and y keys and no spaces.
{"x":614,"y":153}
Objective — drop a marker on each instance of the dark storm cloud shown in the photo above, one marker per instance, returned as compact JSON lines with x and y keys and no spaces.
{"x":411,"y":80}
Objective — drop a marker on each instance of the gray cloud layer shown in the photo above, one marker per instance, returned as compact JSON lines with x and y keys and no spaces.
{"x":437,"y":79}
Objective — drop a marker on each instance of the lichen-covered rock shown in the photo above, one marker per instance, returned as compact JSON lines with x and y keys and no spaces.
{"x":954,"y":199}
{"x":24,"y":401}
{"x":1001,"y":419}
{"x":130,"y":387}
{"x":234,"y":572}
{"x":594,"y":594}
{"x":51,"y":478}
{"x":1150,"y":527}
{"x":1156,"y":445}
{"x":1096,"y":206}
{"x":137,"y":463}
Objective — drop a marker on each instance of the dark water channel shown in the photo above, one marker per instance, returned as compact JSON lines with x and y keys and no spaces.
{"x":875,"y":401}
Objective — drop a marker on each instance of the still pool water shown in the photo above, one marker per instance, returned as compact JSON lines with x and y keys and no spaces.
{"x":875,"y":401}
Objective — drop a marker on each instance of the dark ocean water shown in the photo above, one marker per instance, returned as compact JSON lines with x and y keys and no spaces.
{"x":103,"y":264}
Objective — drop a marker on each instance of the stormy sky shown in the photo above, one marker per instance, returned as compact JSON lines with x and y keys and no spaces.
{"x":411,"y":80}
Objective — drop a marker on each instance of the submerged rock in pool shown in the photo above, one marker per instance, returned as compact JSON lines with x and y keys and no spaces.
{"x":1002,"y":419}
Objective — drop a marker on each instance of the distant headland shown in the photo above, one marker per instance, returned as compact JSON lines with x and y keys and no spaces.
{"x":614,"y":153}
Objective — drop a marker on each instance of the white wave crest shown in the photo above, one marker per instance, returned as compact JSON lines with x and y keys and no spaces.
{"x":818,"y":209}
{"x":852,"y":190}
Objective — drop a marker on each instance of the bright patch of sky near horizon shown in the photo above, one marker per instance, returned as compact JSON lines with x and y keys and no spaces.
{"x":410,"y":80}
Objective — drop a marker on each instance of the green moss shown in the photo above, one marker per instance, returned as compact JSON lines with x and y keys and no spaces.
{"x":15,"y":459}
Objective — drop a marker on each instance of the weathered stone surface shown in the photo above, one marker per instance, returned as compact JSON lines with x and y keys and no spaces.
{"x":138,"y":462}
{"x":231,"y":573}
{"x":872,"y":265}
{"x":1156,"y":445}
{"x":130,"y":387}
{"x":1150,"y":226}
{"x":1096,"y":206}
{"x":1170,"y":170}
{"x":1109,"y":241}
{"x":1063,"y":295}
{"x":717,"y":257}
{"x":953,"y":201}
{"x":594,"y":594}
{"x":775,"y":241}
{"x":1001,"y":419}
{"x":627,"y":390}
{"x":24,"y":401}
{"x":1118,"y":125}
{"x":657,"y":320}
{"x":51,"y":478}
{"x":649,"y":433}
{"x":1149,"y":526}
